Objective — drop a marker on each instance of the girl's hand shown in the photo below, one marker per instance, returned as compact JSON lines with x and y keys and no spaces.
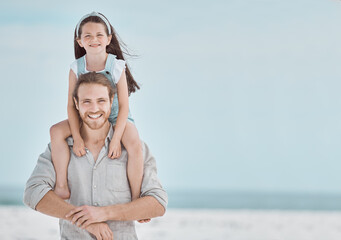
{"x":78,"y":147}
{"x":114,"y":149}
{"x":85,"y":215}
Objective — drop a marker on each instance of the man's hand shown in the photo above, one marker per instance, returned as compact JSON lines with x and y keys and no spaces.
{"x":114,"y":149}
{"x":85,"y":215}
{"x":78,"y":147}
{"x":144,"y":220}
{"x":101,"y":231}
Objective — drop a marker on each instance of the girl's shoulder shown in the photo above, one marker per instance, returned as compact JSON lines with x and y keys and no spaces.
{"x":73,"y":67}
{"x":74,"y":64}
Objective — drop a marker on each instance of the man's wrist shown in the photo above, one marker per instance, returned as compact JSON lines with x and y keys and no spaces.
{"x":110,"y":213}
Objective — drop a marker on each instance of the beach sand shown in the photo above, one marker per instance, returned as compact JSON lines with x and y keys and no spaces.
{"x":22,"y":223}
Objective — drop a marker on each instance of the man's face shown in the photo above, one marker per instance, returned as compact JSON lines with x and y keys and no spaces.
{"x":94,"y":105}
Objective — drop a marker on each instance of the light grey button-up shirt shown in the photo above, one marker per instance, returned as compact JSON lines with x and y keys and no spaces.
{"x":99,"y":183}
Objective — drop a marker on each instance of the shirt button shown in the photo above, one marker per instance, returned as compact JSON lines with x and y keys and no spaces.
{"x":94,"y":186}
{"x":95,"y":167}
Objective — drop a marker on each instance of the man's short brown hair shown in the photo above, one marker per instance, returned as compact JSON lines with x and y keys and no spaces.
{"x":96,"y":78}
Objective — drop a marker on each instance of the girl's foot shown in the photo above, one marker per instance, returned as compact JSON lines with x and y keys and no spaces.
{"x":62,"y":191}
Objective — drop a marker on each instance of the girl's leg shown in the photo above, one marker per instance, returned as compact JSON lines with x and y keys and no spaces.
{"x":132,"y":143}
{"x":60,"y":156}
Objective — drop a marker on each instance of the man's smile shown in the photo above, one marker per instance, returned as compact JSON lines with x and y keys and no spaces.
{"x":95,"y":116}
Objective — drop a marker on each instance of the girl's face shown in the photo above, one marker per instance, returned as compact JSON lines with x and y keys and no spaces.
{"x":94,"y":38}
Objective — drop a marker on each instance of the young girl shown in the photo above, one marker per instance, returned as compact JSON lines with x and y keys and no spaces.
{"x":98,"y":49}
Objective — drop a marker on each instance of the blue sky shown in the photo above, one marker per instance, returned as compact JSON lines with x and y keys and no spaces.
{"x":235,"y":95}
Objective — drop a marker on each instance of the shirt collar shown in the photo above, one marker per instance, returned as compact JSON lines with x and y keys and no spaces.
{"x":69,"y":140}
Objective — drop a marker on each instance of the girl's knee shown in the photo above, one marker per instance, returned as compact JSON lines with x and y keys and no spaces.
{"x":60,"y":130}
{"x":54,"y":131}
{"x":134,"y":147}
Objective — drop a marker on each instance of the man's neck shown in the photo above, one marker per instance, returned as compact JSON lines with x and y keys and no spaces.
{"x":94,"y":136}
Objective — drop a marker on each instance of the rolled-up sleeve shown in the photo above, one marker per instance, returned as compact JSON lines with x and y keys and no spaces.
{"x":41,"y":181}
{"x":151,"y":185}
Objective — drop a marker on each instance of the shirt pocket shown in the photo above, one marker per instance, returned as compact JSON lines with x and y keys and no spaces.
{"x":116,"y":177}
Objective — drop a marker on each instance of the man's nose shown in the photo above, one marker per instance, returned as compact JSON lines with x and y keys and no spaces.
{"x":94,"y":107}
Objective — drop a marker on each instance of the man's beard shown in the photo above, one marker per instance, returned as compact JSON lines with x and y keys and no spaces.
{"x":95,"y":123}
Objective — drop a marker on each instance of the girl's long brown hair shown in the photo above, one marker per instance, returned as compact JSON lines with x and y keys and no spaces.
{"x":114,"y":47}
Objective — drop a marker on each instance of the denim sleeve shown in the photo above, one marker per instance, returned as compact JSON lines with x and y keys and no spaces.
{"x":151,"y":185}
{"x":41,"y":181}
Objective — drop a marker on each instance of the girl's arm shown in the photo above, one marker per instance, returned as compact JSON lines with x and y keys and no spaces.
{"x":73,"y":117}
{"x":123,"y":104}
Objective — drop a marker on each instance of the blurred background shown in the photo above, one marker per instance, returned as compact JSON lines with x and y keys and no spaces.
{"x":239,"y":100}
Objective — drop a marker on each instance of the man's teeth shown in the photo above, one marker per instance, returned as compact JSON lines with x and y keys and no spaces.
{"x":95,"y":116}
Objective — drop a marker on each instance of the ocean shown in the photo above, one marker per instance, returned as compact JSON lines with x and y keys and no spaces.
{"x":222,"y":199}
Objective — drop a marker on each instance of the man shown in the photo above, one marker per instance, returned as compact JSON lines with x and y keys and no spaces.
{"x":100,"y":202}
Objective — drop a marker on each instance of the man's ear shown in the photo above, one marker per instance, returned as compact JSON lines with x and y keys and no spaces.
{"x":79,"y":42}
{"x":76,"y":103}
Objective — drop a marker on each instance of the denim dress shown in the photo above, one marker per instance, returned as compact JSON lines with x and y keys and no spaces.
{"x":109,"y":67}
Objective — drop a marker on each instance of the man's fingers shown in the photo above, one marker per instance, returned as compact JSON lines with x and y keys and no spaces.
{"x":144,"y":220}
{"x":107,"y":235}
{"x":86,"y":223}
{"x":76,"y":217}
{"x":98,"y":236}
{"x":81,"y":221}
{"x":73,"y":211}
{"x":102,"y":236}
{"x":111,"y":234}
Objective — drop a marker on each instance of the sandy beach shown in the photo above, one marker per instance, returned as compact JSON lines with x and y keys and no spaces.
{"x":21,"y":223}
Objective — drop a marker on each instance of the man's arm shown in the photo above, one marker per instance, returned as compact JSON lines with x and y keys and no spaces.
{"x":153,"y":201}
{"x":54,"y":206}
{"x":39,"y":196}
{"x":141,"y":208}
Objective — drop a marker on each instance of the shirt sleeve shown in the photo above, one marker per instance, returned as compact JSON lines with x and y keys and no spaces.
{"x":119,"y":66}
{"x":74,"y":67}
{"x":41,"y":181}
{"x":151,"y":185}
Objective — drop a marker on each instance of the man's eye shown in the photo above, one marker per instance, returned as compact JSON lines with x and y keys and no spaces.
{"x":87,"y":36}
